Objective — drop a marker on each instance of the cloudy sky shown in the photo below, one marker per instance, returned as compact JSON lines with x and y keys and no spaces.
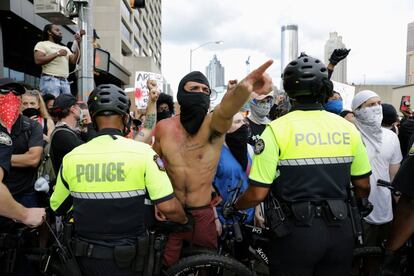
{"x":375,"y":30}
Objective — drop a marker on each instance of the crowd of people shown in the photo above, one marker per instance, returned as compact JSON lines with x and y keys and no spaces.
{"x":117,"y":172}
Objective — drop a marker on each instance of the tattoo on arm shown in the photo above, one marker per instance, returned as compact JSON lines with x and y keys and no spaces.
{"x":150,"y":121}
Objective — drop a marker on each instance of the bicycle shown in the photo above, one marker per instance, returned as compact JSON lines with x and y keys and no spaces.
{"x":362,"y":252}
{"x":236,"y":233}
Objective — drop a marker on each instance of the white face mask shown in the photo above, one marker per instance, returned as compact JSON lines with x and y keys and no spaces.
{"x":371,"y":116}
{"x":368,"y":121}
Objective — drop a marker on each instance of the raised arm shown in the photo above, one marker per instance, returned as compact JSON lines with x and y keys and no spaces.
{"x":75,"y":56}
{"x":145,"y":134}
{"x":238,"y":94}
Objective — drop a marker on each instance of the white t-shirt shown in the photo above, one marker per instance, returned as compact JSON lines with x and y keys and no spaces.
{"x":380,"y":197}
{"x":59,"y":66}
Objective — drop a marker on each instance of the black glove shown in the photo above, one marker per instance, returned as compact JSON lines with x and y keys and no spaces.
{"x":365,"y":206}
{"x":338,"y":55}
{"x":229,"y":211}
{"x":391,"y":264}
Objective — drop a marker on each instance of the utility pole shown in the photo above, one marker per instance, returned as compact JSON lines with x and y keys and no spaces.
{"x":85,"y":79}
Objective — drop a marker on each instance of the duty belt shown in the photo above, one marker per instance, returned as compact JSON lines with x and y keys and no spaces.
{"x":86,"y":249}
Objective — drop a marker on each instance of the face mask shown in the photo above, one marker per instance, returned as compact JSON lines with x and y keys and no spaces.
{"x":334,"y":106}
{"x":9,"y":110}
{"x":56,"y":38}
{"x":30,"y":112}
{"x":370,"y":116}
{"x":259,"y":110}
{"x":163,"y":115}
{"x":137,"y":123}
{"x":237,"y":143}
{"x":193,"y":105}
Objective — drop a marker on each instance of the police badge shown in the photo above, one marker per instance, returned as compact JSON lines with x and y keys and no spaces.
{"x":159,"y":162}
{"x":259,"y":146}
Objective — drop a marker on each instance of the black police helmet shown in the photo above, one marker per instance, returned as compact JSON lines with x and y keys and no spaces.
{"x":305,"y":76}
{"x":108,"y":99}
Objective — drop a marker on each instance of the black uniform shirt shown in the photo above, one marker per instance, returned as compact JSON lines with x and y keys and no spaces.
{"x":404,"y":180}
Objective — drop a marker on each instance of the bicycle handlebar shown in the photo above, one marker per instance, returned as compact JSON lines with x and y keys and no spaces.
{"x":386,"y":184}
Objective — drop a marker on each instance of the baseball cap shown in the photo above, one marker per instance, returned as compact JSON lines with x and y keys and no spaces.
{"x":62,"y":102}
{"x":10,"y":83}
{"x":258,"y":97}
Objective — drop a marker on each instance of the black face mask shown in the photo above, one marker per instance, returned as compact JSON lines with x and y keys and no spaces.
{"x":163,"y":115}
{"x":137,"y":123}
{"x":30,"y":112}
{"x":193,"y":105}
{"x":56,"y":38}
{"x":237,"y":143}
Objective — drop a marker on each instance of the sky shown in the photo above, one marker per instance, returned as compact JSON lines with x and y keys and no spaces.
{"x":375,"y":31}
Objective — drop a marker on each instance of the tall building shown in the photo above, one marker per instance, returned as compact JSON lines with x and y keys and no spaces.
{"x":215,"y":73}
{"x":335,"y":42}
{"x":409,"y":76}
{"x":133,"y":37}
{"x":289,"y":44}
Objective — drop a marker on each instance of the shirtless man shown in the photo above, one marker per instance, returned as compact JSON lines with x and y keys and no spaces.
{"x":190,"y":144}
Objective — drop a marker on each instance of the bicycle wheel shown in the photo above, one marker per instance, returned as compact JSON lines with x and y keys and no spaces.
{"x":208,"y":264}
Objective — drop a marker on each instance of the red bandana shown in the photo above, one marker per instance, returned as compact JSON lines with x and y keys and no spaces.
{"x":9,"y":110}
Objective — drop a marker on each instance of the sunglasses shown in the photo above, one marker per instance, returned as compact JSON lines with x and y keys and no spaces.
{"x":5,"y":91}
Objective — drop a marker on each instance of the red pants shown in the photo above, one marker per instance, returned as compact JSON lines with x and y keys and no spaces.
{"x":204,"y":234}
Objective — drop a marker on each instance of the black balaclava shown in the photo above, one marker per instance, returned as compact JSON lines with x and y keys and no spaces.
{"x":237,"y":143}
{"x":193,"y":105}
{"x":163,"y":115}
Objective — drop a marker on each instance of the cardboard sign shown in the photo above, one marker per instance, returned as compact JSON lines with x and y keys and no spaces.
{"x":141,"y":89}
{"x":347,"y":93}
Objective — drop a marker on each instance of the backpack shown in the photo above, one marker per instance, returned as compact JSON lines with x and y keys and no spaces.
{"x":45,"y":169}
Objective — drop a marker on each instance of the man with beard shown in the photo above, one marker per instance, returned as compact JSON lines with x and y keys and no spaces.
{"x":54,"y":58}
{"x":165,"y":107}
{"x":191,"y":142}
{"x":384,"y":153}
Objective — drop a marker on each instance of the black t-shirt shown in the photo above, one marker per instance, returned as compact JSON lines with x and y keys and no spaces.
{"x":6,"y":148}
{"x":62,"y":143}
{"x":406,"y":131}
{"x":256,"y":131}
{"x":404,"y":180}
{"x":26,"y":133}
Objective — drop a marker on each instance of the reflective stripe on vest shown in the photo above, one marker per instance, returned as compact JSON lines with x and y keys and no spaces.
{"x":108,"y":195}
{"x":316,"y":161}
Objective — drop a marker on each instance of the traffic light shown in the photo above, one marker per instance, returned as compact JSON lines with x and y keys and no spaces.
{"x":137,"y":4}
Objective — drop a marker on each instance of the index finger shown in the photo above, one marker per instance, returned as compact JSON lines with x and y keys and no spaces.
{"x":264,"y":66}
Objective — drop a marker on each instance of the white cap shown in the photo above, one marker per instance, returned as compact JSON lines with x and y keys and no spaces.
{"x":258,"y":97}
{"x":362,"y":97}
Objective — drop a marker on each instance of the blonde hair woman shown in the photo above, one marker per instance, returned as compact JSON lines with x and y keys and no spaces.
{"x":34,"y":107}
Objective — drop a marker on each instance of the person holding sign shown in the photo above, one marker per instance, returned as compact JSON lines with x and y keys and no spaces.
{"x":191,"y":142}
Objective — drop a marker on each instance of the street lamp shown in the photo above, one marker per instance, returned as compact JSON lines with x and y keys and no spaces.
{"x":202,"y":45}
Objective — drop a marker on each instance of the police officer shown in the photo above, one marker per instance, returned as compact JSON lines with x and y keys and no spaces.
{"x":403,"y":223}
{"x":306,"y":160}
{"x":106,"y":180}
